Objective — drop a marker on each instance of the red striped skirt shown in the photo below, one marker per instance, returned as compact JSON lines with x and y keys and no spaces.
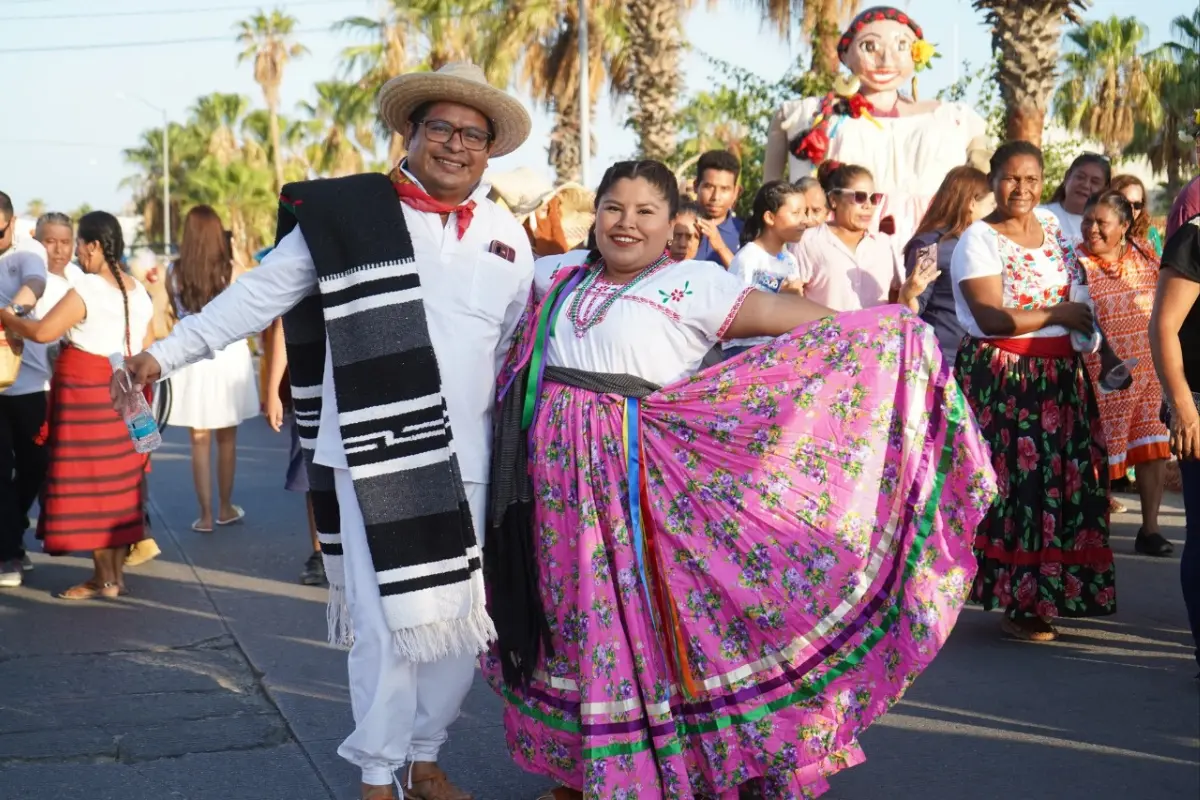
{"x":95,"y":492}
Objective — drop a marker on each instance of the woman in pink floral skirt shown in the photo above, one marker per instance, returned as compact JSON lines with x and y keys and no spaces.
{"x":711,"y":588}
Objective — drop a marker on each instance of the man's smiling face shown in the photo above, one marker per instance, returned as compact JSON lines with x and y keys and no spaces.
{"x":449,"y":170}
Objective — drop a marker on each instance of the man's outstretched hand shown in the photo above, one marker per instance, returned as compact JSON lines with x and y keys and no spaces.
{"x":143,"y":370}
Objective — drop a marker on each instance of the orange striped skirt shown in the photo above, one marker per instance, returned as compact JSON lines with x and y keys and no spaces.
{"x":95,"y":492}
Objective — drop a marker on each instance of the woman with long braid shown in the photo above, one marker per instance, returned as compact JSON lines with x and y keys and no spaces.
{"x":94,"y":495}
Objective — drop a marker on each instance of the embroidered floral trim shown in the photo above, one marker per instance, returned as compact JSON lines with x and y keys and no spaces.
{"x":733,"y":312}
{"x":877,"y":14}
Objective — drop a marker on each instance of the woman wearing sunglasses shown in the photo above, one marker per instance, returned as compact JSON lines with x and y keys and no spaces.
{"x":843,"y":264}
{"x":1134,"y":191}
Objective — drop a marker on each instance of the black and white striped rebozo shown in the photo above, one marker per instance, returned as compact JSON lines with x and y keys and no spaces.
{"x":392,"y":416}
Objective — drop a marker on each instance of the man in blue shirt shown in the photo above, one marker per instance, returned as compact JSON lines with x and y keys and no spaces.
{"x":717,"y":191}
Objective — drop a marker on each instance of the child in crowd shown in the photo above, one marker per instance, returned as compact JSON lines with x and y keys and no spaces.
{"x":779,"y":219}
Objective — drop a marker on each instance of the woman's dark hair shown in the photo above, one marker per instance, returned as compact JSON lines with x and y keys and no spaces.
{"x":950,"y":209}
{"x":834,"y":175}
{"x":771,"y":196}
{"x":1140,"y":228}
{"x":1115,"y":201}
{"x":1010,"y":150}
{"x":205,"y":264}
{"x":656,"y":173}
{"x":103,"y":228}
{"x":688,"y":207}
{"x":1100,"y":161}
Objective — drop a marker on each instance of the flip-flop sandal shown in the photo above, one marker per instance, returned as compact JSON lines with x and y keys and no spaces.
{"x":241,"y":515}
{"x":1153,"y":544}
{"x":199,"y":529}
{"x":90,"y":591}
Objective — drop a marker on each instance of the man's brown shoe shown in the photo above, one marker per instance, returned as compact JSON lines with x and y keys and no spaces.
{"x":426,"y":781}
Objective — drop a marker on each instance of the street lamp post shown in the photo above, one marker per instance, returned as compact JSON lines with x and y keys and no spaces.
{"x":166,"y":169}
{"x":585,"y":97}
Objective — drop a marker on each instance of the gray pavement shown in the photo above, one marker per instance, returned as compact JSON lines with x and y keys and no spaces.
{"x":212,"y":681}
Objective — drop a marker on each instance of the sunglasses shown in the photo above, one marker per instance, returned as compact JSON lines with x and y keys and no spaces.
{"x":861,"y":198}
{"x":1137,"y":206}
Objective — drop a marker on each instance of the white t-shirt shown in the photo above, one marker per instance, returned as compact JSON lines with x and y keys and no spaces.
{"x":659,"y":330}
{"x":57,"y":287}
{"x":1032,"y":277}
{"x":102,"y":331}
{"x":1071,"y":224}
{"x":755,"y":267}
{"x":26,"y":260}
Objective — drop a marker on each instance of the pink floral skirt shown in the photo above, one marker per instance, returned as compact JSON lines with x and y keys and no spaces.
{"x":744,"y":570}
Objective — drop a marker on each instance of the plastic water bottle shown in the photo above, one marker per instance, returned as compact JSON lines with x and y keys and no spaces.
{"x":1083,"y":342}
{"x":1116,"y":378}
{"x":135,"y":411}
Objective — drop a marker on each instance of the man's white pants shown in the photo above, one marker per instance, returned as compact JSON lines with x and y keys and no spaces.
{"x":401,"y":709}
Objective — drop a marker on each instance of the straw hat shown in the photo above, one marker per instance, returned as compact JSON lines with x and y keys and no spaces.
{"x":522,"y":190}
{"x":459,"y":82}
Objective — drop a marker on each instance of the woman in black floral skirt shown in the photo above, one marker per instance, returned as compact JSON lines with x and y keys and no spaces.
{"x":1043,"y":550}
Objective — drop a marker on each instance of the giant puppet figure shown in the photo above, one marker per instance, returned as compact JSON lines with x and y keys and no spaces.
{"x":908,"y":144}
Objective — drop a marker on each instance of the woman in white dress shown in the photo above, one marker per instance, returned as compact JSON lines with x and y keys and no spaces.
{"x":214,"y":396}
{"x":907,"y":144}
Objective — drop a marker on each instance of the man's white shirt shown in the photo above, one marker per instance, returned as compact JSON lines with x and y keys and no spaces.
{"x":473,"y":302}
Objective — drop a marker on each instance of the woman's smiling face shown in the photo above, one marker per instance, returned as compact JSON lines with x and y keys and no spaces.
{"x":633,"y":225}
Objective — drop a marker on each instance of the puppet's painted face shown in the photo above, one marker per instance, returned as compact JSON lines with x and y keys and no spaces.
{"x":881,"y":56}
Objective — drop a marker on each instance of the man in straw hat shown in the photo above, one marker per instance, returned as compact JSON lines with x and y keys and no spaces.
{"x":400,"y":295}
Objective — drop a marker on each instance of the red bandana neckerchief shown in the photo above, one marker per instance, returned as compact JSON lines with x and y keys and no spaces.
{"x":417,"y":198}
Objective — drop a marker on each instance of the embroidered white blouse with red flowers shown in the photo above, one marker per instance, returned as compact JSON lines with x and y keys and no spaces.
{"x":659,"y":330}
{"x":1032,"y":277}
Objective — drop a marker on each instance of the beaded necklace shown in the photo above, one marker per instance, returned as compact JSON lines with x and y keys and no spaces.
{"x":584,"y":319}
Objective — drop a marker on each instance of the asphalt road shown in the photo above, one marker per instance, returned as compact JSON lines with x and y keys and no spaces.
{"x":212,"y":681}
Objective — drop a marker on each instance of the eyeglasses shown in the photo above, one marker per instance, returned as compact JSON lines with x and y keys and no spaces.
{"x":1137,"y":206}
{"x":442,"y":132}
{"x":861,"y":198}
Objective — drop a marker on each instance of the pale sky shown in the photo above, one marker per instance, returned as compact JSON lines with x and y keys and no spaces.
{"x":63,"y":126}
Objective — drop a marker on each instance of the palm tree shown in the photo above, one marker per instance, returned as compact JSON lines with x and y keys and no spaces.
{"x":340,"y":121}
{"x":654,"y":51}
{"x":36,"y":208}
{"x":267,"y":39}
{"x":188,"y":147}
{"x":821,"y":23}
{"x":243,"y":196}
{"x":1105,"y":88}
{"x":447,"y":30}
{"x":1025,"y":38}
{"x":216,"y":118}
{"x":538,"y":41}
{"x":1173,"y":73}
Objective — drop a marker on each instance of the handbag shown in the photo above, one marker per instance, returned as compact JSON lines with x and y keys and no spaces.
{"x":10,"y":363}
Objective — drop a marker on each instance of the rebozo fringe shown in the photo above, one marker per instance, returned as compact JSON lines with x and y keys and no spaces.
{"x":337,"y":617}
{"x":428,"y":643}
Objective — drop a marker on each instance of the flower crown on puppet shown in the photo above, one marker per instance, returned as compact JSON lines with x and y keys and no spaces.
{"x":846,"y":100}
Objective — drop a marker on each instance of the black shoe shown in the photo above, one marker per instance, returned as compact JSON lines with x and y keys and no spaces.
{"x":1152,"y":544}
{"x":314,"y":571}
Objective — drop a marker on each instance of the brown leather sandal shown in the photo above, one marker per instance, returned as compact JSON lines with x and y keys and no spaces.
{"x":426,"y":781}
{"x":92,"y":591}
